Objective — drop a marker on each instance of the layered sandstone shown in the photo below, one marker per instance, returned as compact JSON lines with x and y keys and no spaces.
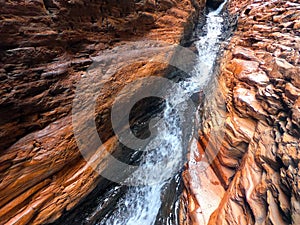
{"x":46,"y":47}
{"x":258,"y":158}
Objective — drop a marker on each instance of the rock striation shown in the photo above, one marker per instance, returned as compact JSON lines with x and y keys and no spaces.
{"x":257,"y":162}
{"x":46,"y":47}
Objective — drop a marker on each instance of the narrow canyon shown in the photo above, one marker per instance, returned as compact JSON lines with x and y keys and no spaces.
{"x":209,"y":89}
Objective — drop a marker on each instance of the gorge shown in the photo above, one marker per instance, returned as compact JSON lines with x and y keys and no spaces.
{"x":236,"y":162}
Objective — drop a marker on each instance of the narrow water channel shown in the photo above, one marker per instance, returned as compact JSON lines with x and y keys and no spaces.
{"x":140,"y":205}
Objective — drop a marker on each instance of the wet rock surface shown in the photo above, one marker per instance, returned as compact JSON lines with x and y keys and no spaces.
{"x":258,"y":158}
{"x":214,"y":3}
{"x":46,"y":47}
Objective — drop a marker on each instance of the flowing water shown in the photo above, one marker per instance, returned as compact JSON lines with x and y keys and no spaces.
{"x":141,"y":205}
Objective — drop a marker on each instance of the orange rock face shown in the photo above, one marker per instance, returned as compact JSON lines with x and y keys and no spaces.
{"x":46,"y":46}
{"x":258,"y":159}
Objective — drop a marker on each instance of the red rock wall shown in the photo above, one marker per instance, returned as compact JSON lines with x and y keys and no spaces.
{"x":46,"y":46}
{"x":258,"y":162}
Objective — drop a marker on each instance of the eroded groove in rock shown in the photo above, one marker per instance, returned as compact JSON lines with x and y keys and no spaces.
{"x":258,"y":160}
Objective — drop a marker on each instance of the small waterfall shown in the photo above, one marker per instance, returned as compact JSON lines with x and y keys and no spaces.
{"x":140,"y":205}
